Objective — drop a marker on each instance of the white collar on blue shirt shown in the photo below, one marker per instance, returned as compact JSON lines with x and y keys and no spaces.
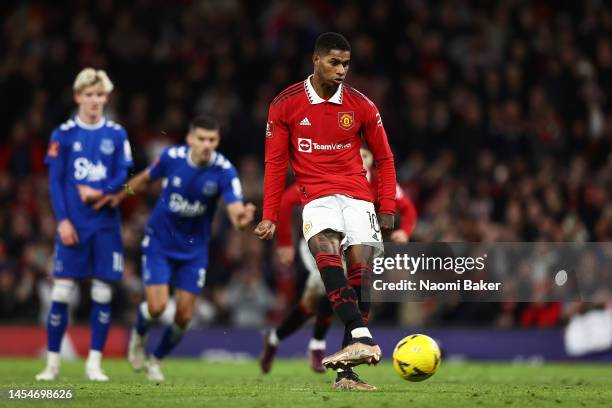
{"x":86,"y":126}
{"x":190,"y":162}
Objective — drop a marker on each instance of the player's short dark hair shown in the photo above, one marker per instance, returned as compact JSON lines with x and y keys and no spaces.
{"x":331,"y":41}
{"x":204,"y":122}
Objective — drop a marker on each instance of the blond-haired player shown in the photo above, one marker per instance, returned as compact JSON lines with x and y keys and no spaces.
{"x":88,"y":159}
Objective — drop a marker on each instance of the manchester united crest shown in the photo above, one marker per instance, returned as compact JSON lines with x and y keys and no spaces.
{"x":346,"y":120}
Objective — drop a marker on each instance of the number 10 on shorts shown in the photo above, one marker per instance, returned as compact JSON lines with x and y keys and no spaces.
{"x":373,"y":221}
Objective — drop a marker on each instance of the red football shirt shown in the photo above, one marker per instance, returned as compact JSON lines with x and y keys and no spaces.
{"x":321,"y":139}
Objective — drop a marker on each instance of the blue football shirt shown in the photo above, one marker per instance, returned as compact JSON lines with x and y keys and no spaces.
{"x":94,"y":155}
{"x":180,"y":224}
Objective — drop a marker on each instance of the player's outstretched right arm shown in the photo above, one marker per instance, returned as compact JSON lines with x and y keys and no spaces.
{"x":133,"y":186}
{"x":137,"y":183}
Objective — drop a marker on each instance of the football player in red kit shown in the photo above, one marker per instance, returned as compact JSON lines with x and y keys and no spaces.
{"x":313,"y":300}
{"x":317,"y":125}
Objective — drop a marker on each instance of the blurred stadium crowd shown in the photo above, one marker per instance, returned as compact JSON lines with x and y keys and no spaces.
{"x":498,"y":113}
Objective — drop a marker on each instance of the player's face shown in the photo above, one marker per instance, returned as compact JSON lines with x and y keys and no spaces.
{"x":332,"y":67}
{"x":367,"y":158}
{"x":91,"y":101}
{"x":203,"y":143}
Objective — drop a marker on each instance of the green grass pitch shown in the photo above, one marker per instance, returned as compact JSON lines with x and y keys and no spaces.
{"x":291,"y":385}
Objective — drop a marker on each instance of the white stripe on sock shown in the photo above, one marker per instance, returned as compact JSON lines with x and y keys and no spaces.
{"x":316,"y":344}
{"x":144,"y":309}
{"x":53,"y":359}
{"x":361,"y":332}
{"x":273,"y":338}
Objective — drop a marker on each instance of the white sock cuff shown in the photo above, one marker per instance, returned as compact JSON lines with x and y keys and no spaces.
{"x":62,"y":290}
{"x":144,"y":310}
{"x":361,"y":332}
{"x":316,"y":344}
{"x":101,"y":292}
{"x":53,"y":359}
{"x":94,"y":358}
{"x":273,"y":338}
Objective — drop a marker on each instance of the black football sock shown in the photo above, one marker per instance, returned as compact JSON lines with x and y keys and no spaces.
{"x":296,"y":319}
{"x":359,"y":278}
{"x":340,"y":294}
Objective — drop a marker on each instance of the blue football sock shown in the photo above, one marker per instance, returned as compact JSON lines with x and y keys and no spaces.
{"x":100,"y":323}
{"x":172,"y":336}
{"x":57,"y":322}
{"x":143,"y":319}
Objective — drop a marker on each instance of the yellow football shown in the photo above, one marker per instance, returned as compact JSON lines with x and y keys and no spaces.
{"x":416,"y":357}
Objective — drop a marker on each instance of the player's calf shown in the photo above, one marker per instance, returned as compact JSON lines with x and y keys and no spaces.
{"x":57,"y":322}
{"x":101,"y":294}
{"x":171,"y":337}
{"x":341,"y":295}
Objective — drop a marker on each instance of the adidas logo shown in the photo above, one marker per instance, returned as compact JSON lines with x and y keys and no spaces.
{"x":305,"y":122}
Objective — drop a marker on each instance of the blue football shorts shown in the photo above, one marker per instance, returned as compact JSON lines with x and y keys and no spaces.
{"x":99,"y":254}
{"x":161,"y":269}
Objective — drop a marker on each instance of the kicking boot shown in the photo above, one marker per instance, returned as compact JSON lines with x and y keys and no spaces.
{"x":48,"y":374}
{"x":95,"y":373}
{"x":349,"y":380}
{"x":153,"y":369}
{"x":136,"y":350}
{"x":267,"y":355}
{"x":362,"y":350}
{"x":316,"y":357}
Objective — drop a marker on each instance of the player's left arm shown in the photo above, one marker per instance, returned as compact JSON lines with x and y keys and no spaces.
{"x":376,"y":137}
{"x":239,"y":213}
{"x":408,"y":216}
{"x":122,"y":161}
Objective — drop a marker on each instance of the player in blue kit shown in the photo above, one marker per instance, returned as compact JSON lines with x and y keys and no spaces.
{"x":175,"y":245}
{"x":88,"y":159}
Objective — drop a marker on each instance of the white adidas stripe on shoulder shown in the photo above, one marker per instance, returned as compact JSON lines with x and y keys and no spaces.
{"x":222,"y":162}
{"x":69,"y":124}
{"x":113,"y":124}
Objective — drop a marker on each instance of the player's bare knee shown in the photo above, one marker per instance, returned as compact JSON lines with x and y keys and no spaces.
{"x":156,"y":308}
{"x":326,"y":241}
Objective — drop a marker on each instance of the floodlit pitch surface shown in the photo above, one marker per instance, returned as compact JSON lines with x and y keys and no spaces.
{"x":291,"y":385}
